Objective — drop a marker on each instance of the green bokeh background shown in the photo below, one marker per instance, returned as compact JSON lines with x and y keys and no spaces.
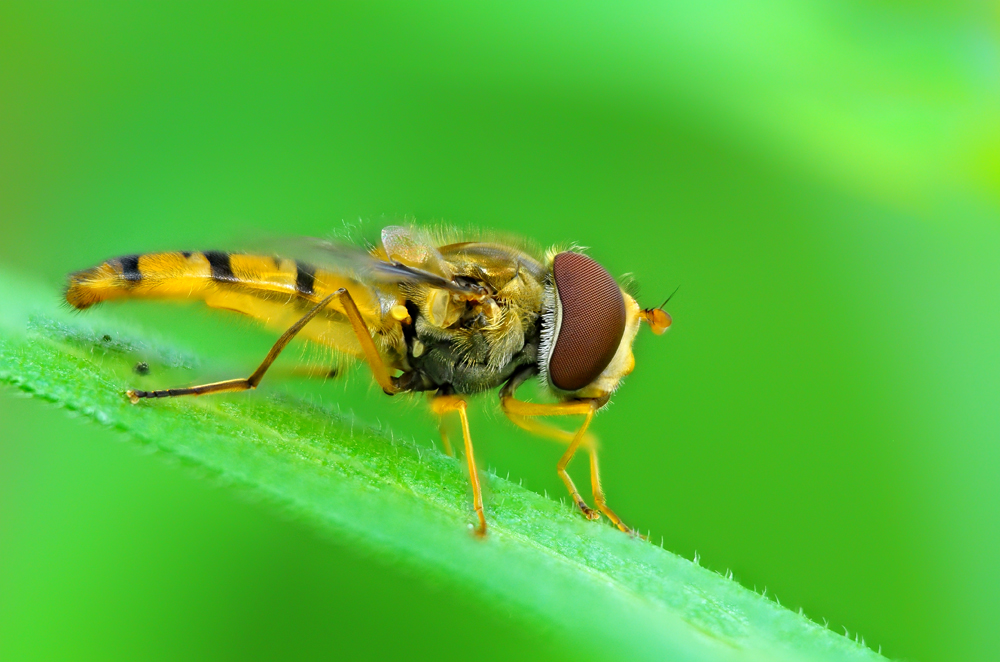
{"x":822,"y":179}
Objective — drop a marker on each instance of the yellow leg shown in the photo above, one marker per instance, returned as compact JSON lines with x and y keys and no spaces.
{"x":600,"y":501}
{"x":445,"y":441}
{"x":517,"y":407}
{"x":587,"y":442}
{"x":587,"y":511}
{"x":442,"y":405}
{"x":551,"y":431}
{"x":519,"y":412}
{"x":367,"y":344}
{"x":251,"y":382}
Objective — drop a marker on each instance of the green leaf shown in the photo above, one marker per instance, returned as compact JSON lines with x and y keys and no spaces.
{"x":604,"y":593}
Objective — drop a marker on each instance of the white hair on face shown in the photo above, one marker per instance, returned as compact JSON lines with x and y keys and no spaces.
{"x":551,"y":319}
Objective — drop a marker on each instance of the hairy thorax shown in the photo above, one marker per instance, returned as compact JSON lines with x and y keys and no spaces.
{"x":470,"y":344}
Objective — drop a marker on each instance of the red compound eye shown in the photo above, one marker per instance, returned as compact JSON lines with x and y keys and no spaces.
{"x":592,"y":321}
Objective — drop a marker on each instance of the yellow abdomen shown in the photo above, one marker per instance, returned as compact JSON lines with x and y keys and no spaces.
{"x":274,"y":290}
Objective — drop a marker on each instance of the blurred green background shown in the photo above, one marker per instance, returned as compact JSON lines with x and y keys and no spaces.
{"x":822,"y":180}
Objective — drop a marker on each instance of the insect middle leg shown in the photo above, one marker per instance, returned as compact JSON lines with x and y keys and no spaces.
{"x":522,"y":413}
{"x":251,"y":382}
{"x":445,"y":441}
{"x":442,"y":405}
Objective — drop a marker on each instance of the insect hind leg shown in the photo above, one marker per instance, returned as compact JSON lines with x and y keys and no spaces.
{"x":251,"y":382}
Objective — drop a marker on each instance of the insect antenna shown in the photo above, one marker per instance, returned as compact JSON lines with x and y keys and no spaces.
{"x":669,"y":297}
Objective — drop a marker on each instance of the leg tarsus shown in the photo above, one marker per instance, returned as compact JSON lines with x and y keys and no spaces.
{"x":228,"y":386}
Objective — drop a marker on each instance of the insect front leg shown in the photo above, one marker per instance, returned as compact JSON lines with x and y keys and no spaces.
{"x":601,"y":501}
{"x":586,"y":441}
{"x":521,"y":414}
{"x":442,"y":405}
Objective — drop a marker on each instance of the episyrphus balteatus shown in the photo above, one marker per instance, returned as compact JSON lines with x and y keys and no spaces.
{"x":443,"y":312}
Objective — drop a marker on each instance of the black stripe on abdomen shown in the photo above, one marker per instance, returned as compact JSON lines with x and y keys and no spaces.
{"x":130,"y":268}
{"x":222,"y":268}
{"x":305,"y":278}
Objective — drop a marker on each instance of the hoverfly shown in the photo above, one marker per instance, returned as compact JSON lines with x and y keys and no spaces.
{"x":428,"y":311}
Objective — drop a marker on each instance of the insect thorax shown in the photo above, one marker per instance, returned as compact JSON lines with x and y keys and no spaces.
{"x":478,"y":351}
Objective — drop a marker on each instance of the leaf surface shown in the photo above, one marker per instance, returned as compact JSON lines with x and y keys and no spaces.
{"x":602,"y":592}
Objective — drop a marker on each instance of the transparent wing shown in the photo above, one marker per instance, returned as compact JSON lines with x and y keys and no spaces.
{"x":413,"y":248}
{"x":405,"y":261}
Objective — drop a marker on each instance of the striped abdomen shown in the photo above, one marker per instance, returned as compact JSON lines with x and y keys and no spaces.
{"x":273,"y":290}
